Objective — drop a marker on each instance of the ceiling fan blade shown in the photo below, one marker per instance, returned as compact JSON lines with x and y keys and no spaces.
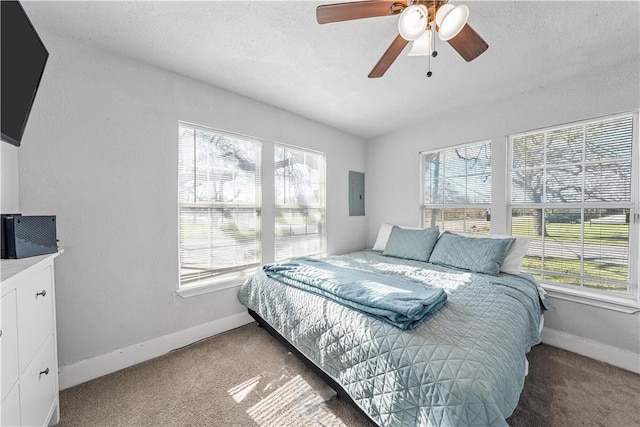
{"x":468,"y":43}
{"x":356,"y":10}
{"x":388,"y":57}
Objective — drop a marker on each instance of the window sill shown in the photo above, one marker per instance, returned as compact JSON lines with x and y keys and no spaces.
{"x":208,"y":287}
{"x":609,"y":302}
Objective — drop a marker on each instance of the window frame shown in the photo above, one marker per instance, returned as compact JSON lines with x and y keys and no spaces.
{"x":225,"y":277}
{"x":444,"y":206}
{"x":602,"y":298}
{"x":321,"y":206}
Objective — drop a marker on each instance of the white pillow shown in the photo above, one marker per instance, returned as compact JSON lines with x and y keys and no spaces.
{"x":513,"y":262}
{"x":383,"y":235}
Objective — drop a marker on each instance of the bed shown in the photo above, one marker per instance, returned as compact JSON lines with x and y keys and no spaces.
{"x":463,"y":365}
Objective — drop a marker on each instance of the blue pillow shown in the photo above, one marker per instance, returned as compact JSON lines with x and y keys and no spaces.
{"x":411,"y":244}
{"x":481,"y":255}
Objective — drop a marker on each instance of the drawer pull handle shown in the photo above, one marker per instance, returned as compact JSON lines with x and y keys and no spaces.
{"x":0,"y":332}
{"x":43,"y":293}
{"x":46,"y":372}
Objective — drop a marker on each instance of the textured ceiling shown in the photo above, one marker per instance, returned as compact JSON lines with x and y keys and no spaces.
{"x":275,"y":52}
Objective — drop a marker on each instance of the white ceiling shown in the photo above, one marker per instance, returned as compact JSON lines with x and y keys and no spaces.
{"x":275,"y":52}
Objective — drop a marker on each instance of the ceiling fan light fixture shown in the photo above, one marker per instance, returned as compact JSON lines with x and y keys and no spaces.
{"x":422,"y":46}
{"x":452,"y":21}
{"x":413,"y":22}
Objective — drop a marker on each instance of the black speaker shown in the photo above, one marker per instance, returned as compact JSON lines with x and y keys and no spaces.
{"x":3,"y":234}
{"x":25,"y":235}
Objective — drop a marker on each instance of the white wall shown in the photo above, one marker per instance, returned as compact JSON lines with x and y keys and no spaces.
{"x":393,"y":170}
{"x":9,"y":181}
{"x":101,"y":153}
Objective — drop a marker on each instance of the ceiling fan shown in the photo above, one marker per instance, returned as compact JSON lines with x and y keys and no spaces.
{"x":416,"y":17}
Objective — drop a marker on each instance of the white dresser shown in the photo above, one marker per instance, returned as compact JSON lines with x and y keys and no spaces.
{"x":28,"y":349}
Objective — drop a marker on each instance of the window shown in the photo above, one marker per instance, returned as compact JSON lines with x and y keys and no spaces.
{"x":219,"y":204}
{"x":572,"y":191}
{"x":457,"y":188}
{"x":300,"y":202}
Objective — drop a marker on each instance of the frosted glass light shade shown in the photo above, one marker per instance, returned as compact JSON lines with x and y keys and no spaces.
{"x":413,"y":21}
{"x":453,"y":22}
{"x":422,"y":46}
{"x":441,"y":13}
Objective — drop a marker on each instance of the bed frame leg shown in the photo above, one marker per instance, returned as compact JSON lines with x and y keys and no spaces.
{"x":255,"y":317}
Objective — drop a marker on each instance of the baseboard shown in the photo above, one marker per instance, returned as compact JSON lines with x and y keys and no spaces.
{"x":95,"y":367}
{"x":621,"y":358}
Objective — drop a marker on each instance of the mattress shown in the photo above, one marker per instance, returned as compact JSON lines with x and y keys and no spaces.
{"x":464,"y":366}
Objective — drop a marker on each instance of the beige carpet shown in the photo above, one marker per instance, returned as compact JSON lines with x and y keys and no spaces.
{"x":246,"y":378}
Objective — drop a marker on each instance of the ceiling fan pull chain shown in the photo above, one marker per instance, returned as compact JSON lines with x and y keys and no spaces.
{"x":434,"y":53}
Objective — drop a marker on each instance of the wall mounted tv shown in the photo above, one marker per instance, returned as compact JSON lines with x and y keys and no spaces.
{"x":23,"y":57}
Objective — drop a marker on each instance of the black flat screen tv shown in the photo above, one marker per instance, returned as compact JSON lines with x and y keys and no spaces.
{"x":23,"y":58}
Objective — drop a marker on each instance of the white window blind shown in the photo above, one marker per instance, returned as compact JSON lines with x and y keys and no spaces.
{"x":572,"y":191}
{"x":219,"y":203}
{"x":300,"y":202}
{"x":457,"y":188}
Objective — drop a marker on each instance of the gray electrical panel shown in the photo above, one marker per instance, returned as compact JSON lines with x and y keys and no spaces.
{"x":356,"y":193}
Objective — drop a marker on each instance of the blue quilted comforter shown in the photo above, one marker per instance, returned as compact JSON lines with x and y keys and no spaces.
{"x":464,"y":366}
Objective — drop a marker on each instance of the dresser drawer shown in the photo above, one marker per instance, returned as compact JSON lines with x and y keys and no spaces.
{"x":35,"y":313}
{"x":8,"y":344}
{"x":38,"y":387}
{"x":10,"y":409}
